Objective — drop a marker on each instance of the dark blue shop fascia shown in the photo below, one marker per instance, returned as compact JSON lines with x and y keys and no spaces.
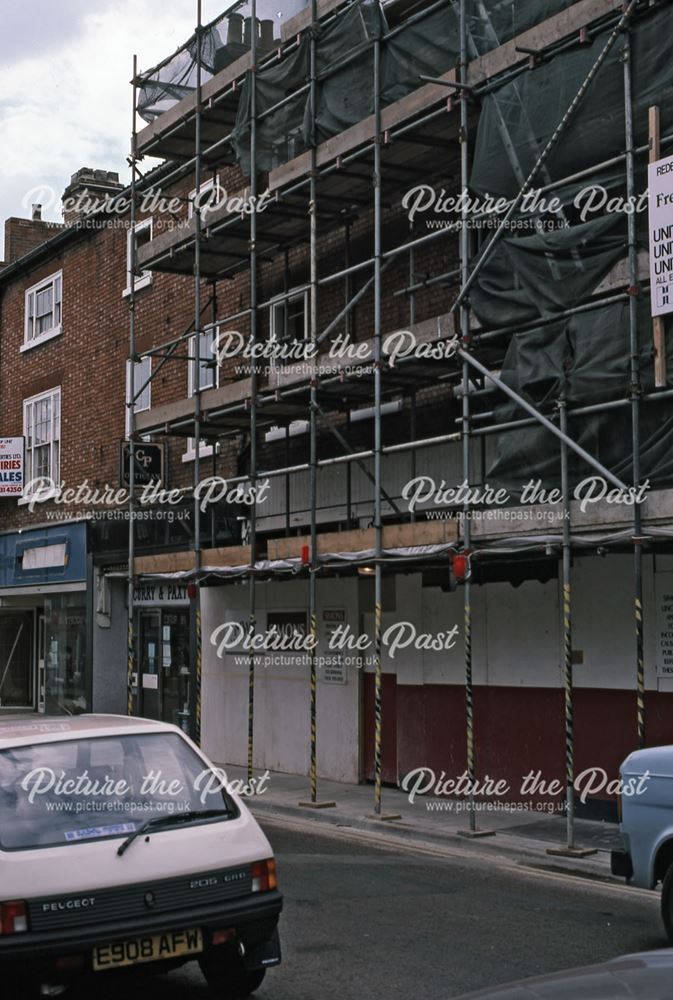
{"x":66,"y":561}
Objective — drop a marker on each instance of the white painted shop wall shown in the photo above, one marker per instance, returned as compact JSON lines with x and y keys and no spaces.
{"x":604,"y":623}
{"x":515,"y":634}
{"x":282,"y":696}
{"x":516,"y":631}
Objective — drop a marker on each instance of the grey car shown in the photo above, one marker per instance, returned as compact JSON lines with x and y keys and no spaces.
{"x":644,"y":976}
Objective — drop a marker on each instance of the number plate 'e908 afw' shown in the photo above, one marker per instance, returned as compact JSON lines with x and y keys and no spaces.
{"x":173,"y":944}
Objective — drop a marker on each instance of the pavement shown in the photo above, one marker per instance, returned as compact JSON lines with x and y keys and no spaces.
{"x":438,"y":826}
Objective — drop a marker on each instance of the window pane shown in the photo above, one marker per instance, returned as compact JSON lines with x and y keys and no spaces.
{"x":44,"y":309}
{"x":28,"y":421}
{"x":142,"y":372}
{"x":42,"y":421}
{"x":41,"y":460}
{"x":206,"y":360}
{"x":56,"y":414}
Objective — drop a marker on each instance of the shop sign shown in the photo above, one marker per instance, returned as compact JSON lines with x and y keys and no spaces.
{"x":663,"y":591}
{"x":160,"y":593}
{"x":11,"y":466}
{"x":334,"y":668}
{"x":148,"y":464}
{"x":661,"y":235}
{"x":288,"y":623}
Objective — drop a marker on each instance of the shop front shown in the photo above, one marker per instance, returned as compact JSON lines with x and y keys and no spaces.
{"x":162,"y":630}
{"x":44,"y":640}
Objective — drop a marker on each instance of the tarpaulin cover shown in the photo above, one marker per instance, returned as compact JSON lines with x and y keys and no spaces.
{"x":279,"y":135}
{"x":223,"y":41}
{"x":427,"y":47}
{"x":538,"y":275}
{"x":587,"y":357}
{"x":519,"y":118}
{"x":345,"y":88}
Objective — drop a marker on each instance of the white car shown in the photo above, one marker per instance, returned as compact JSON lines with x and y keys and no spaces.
{"x":120,"y":845}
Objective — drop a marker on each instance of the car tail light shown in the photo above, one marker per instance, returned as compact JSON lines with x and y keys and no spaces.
{"x":264,"y":875}
{"x":13,"y":918}
{"x":222,"y":936}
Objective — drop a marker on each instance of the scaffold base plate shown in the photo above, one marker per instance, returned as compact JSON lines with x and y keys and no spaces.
{"x":476,"y":833}
{"x":571,"y":852}
{"x":317,"y":805}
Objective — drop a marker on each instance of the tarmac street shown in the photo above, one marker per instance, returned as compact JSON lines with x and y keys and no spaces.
{"x":367,"y":922}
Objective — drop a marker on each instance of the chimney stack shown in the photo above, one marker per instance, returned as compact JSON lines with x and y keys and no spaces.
{"x":266,"y":43}
{"x":36,"y":213}
{"x":88,"y":189}
{"x":247,"y":31}
{"x":235,"y":29}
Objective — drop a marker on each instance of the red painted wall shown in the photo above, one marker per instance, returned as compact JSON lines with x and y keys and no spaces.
{"x":517,"y":729}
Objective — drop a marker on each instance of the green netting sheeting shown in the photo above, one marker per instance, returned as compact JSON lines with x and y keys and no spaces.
{"x":223,"y":41}
{"x":587,"y":357}
{"x":492,"y":22}
{"x":427,"y":47}
{"x":345,"y":87}
{"x":536,"y":276}
{"x":520,"y":117}
{"x":346,"y":93}
{"x":280,"y":134}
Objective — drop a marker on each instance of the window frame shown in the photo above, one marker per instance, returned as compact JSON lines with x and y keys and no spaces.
{"x":278,"y":302}
{"x":130,"y":390}
{"x":205,"y":450}
{"x":191,"y":364}
{"x":30,"y":341}
{"x":54,"y":392}
{"x":145,"y":279}
{"x":211,"y":184}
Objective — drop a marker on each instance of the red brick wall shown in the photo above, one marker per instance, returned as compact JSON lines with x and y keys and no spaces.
{"x":23,"y":235}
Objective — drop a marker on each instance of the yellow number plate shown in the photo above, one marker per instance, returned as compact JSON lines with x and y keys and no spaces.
{"x":172,"y":944}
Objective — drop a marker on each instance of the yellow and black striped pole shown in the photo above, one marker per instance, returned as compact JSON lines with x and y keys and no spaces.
{"x":640,"y":679}
{"x":567,"y":635}
{"x":568,"y":701}
{"x":469,"y":697}
{"x":197,"y":713}
{"x":251,"y":702}
{"x":130,"y":668}
{"x":378,"y":700}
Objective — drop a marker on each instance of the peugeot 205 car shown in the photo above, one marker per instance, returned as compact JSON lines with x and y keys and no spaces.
{"x":122,"y":849}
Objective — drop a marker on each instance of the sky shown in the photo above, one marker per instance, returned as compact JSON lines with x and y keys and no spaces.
{"x":65,"y":95}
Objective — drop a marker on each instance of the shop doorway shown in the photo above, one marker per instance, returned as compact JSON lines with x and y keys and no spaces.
{"x":17,"y":665}
{"x":163,"y":661}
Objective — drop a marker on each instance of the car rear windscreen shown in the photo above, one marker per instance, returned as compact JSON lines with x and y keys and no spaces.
{"x":70,"y":791}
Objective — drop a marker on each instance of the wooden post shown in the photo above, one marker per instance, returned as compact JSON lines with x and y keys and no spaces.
{"x":658,"y":332}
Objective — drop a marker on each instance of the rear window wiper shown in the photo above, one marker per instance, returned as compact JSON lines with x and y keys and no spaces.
{"x":170,"y":820}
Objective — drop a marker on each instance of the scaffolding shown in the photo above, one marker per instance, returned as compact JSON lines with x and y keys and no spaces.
{"x":415,"y":122}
